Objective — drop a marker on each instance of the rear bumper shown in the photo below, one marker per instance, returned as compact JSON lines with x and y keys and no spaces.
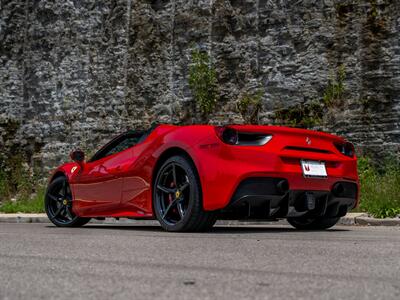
{"x":273,"y":197}
{"x":222,"y":168}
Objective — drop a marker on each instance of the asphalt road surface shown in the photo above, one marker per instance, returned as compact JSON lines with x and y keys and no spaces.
{"x":40,"y":261}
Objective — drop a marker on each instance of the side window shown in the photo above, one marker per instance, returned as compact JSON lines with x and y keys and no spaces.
{"x":123,"y":145}
{"x":119,"y":144}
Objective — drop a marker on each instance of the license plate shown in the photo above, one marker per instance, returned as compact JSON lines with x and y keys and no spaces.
{"x":313,"y":168}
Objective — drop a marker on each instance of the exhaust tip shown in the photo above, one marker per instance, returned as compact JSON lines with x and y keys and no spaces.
{"x":282,"y":186}
{"x":338,"y":190}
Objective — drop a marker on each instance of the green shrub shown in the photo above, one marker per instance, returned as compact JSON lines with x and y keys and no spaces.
{"x":305,"y":115}
{"x":16,"y":178}
{"x":203,"y":82}
{"x":380,"y":187}
{"x":19,"y":182}
{"x":249,"y":107}
{"x":4,"y":182}
{"x":311,"y":113}
{"x":25,"y":205}
{"x":334,"y":92}
{"x":4,"y":187}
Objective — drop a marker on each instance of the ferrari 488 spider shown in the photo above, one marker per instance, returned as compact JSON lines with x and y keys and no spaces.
{"x":187,"y":177}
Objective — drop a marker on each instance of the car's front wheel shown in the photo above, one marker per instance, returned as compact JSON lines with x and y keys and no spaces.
{"x":177,"y":199}
{"x":319,"y":223}
{"x":58,"y":205}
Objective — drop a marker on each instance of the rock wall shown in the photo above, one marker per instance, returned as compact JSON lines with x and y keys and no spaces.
{"x":76,"y":72}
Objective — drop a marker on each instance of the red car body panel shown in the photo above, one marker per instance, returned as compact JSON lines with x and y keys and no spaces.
{"x":120,"y":185}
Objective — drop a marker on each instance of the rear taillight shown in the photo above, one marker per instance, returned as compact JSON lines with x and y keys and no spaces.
{"x":227,"y":135}
{"x":345,"y":148}
{"x":233,"y":137}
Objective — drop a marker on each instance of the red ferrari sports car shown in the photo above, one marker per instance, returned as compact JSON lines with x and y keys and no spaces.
{"x":187,"y":177}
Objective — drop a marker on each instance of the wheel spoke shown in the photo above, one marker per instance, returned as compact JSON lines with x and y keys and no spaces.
{"x":169,"y":207}
{"x":174,"y":174}
{"x":184,"y":186}
{"x":181,"y":210}
{"x":54,"y":198}
{"x":68,"y":194}
{"x":65,"y":189}
{"x":165,"y":189}
{"x":62,"y":190}
{"x":69,"y":215}
{"x":58,"y":211}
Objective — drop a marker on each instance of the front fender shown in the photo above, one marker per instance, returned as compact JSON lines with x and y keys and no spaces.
{"x":68,"y":170}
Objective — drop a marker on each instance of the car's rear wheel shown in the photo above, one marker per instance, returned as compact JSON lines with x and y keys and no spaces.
{"x":319,"y":223}
{"x":177,"y":198}
{"x":58,"y":205}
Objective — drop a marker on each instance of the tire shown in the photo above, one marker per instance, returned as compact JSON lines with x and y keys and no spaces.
{"x":58,"y":204}
{"x":320,"y":223}
{"x":177,"y":197}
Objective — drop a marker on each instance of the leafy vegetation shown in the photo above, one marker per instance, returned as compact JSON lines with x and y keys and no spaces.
{"x":310,"y":114}
{"x":303,"y":115}
{"x":249,"y":106}
{"x":19,"y":183}
{"x":334,"y":92}
{"x":15,"y":176}
{"x":203,"y":81}
{"x":380,"y":187}
{"x":25,"y":205}
{"x":373,"y":10}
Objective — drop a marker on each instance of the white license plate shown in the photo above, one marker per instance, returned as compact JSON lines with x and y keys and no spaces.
{"x":313,"y":168}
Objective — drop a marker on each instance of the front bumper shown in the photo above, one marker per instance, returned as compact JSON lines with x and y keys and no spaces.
{"x":273,"y":197}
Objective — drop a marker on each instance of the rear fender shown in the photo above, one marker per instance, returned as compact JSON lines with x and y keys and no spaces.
{"x":196,"y":142}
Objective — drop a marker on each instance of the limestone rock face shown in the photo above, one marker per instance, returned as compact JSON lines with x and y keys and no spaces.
{"x":75,"y":73}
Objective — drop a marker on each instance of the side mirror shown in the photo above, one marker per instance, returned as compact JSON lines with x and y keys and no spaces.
{"x":78,"y":156}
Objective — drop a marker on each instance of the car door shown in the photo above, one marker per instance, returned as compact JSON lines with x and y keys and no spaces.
{"x":136,"y":190}
{"x":98,"y":187}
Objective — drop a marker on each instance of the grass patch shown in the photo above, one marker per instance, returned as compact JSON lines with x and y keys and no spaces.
{"x":380,"y":187}
{"x":25,"y":205}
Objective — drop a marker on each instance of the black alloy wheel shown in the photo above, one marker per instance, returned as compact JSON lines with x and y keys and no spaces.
{"x":177,"y":200}
{"x":58,"y":204}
